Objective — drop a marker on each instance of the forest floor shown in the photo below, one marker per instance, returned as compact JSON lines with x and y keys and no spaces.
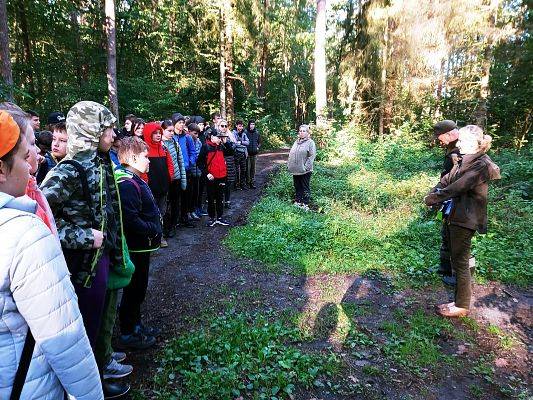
{"x":375,"y":340}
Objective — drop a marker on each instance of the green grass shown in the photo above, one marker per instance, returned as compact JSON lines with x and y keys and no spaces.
{"x":239,"y":355}
{"x":371,"y":216}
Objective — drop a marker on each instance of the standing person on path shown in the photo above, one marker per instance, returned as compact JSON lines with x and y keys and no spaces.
{"x":161,"y":170}
{"x":253,"y":149}
{"x":467,"y":186}
{"x":143,"y":231}
{"x":213,"y":165}
{"x":229,"y":156}
{"x":179,"y":181}
{"x":36,"y":294}
{"x":83,"y":196}
{"x":195,"y":211}
{"x":300,"y":165}
{"x":188,"y":151}
{"x":241,"y":154}
{"x":447,"y":134}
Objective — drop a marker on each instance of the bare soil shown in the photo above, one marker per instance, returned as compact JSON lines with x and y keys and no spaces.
{"x":196,"y":275}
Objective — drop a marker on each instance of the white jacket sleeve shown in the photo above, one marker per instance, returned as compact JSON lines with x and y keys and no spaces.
{"x":45,"y":297}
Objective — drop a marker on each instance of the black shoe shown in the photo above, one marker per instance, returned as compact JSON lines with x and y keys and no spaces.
{"x":147,"y":330}
{"x":222,"y":221}
{"x":449,"y":280}
{"x":135,"y":341}
{"x":211,"y":222}
{"x":114,"y":390}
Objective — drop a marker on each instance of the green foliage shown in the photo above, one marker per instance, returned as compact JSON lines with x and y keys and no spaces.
{"x":239,"y":355}
{"x":371,"y":215}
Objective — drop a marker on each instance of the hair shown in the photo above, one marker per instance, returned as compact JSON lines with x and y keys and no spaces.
{"x":484,"y":141}
{"x":130,"y":117}
{"x":251,"y":121}
{"x":215,"y":114}
{"x":32,"y":113}
{"x":239,"y":122}
{"x":44,"y":140}
{"x":21,"y":117}
{"x":166,"y":123}
{"x":223,"y":120}
{"x":306,"y":127}
{"x":135,"y":124}
{"x":61,"y":126}
{"x":194,"y":127}
{"x":130,"y":146}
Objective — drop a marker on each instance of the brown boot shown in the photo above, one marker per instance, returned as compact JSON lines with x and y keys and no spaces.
{"x":453,"y":312}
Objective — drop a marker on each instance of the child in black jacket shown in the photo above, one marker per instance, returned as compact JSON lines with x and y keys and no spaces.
{"x":143,"y":231}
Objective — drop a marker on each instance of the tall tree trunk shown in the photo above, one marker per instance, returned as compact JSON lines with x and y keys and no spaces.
{"x":263,"y":61}
{"x":222,"y":61}
{"x":228,"y":56}
{"x":7,"y":74}
{"x":111,"y":56}
{"x":383,"y":82}
{"x":348,"y":27}
{"x":320,"y":63}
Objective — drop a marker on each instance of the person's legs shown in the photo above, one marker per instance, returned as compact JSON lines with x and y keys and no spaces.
{"x":184,"y":200}
{"x":227,"y":191}
{"x":251,"y":169}
{"x":212,"y":196}
{"x":220,"y":188}
{"x":202,"y":183}
{"x":460,"y":243}
{"x":445,"y":266}
{"x":134,"y":294}
{"x":306,"y":188}
{"x":193,"y":199}
{"x":297,"y":180}
{"x":173,"y":197}
{"x":91,"y":301}
{"x":103,"y":349}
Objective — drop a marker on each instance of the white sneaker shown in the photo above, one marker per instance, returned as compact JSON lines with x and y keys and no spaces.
{"x":118,"y":356}
{"x":115,"y":370}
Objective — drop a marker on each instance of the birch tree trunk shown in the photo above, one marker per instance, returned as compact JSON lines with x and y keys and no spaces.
{"x":111,"y":56}
{"x":320,"y":63}
{"x":7,"y":74}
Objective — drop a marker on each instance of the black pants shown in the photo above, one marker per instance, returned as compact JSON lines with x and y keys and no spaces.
{"x":185,"y":199}
{"x":240,"y":170}
{"x":202,"y":184}
{"x":302,"y":188}
{"x":193,"y":186}
{"x":460,"y":244}
{"x":134,"y":294}
{"x":227,"y":191}
{"x":174,"y":202}
{"x":445,"y":267}
{"x":215,"y":196}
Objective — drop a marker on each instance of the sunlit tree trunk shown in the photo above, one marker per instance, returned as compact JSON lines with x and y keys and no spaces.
{"x":320,"y":63}
{"x":228,"y":56}
{"x":222,"y":62}
{"x":7,"y":74}
{"x":383,"y":82}
{"x":263,"y":61}
{"x":111,"y":56}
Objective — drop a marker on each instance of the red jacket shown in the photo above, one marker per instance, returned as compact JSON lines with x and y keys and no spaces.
{"x":156,"y":149}
{"x":212,"y":160}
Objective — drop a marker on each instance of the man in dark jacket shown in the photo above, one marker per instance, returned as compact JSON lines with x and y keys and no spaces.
{"x":446,"y":133}
{"x":253,"y":149}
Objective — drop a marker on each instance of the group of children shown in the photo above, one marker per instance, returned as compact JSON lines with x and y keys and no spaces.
{"x":111,"y":197}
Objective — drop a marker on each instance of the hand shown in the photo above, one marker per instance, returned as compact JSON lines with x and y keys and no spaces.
{"x":98,"y":238}
{"x":210,"y":177}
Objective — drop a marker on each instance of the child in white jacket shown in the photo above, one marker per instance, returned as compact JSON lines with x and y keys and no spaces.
{"x":36,"y":294}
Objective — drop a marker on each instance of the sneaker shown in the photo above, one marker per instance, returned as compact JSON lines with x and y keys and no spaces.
{"x":147,"y":330}
{"x":211,"y":222}
{"x":118,"y":356}
{"x":203,"y":213}
{"x":116,"y":370}
{"x":195,"y":216}
{"x":164,"y":243}
{"x":114,"y":390}
{"x":222,"y":221}
{"x":135,"y":341}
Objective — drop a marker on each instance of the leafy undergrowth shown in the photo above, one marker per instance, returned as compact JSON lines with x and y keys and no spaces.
{"x":239,"y":355}
{"x":370,"y":215}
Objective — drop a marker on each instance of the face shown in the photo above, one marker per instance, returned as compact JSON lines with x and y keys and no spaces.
{"x":240,"y":127}
{"x":215,"y":139}
{"x":467,"y":143}
{"x":106,"y":140}
{"x":140,"y":162}
{"x":252,"y":126}
{"x":303,"y":133}
{"x":216,"y":120}
{"x":156,"y":136}
{"x":178,"y":126}
{"x":59,"y":144}
{"x":14,"y":181}
{"x":33,"y":151}
{"x":201,"y":125}
{"x":139,"y":130}
{"x":168,"y":132}
{"x":446,"y":138}
{"x":35,"y":123}
{"x":127,"y":125}
{"x":223,"y":127}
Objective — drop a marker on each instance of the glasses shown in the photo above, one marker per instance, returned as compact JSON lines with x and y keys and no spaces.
{"x":223,"y":126}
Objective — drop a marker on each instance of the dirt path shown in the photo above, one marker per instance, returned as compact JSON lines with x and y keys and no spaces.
{"x":197,"y":277}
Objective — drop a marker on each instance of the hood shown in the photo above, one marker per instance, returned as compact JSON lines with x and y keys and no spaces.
{"x":23,"y":203}
{"x":494,"y":170}
{"x":86,"y":121}
{"x":148,"y":129}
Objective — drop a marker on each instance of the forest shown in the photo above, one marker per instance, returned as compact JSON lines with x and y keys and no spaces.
{"x":389,"y":66}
